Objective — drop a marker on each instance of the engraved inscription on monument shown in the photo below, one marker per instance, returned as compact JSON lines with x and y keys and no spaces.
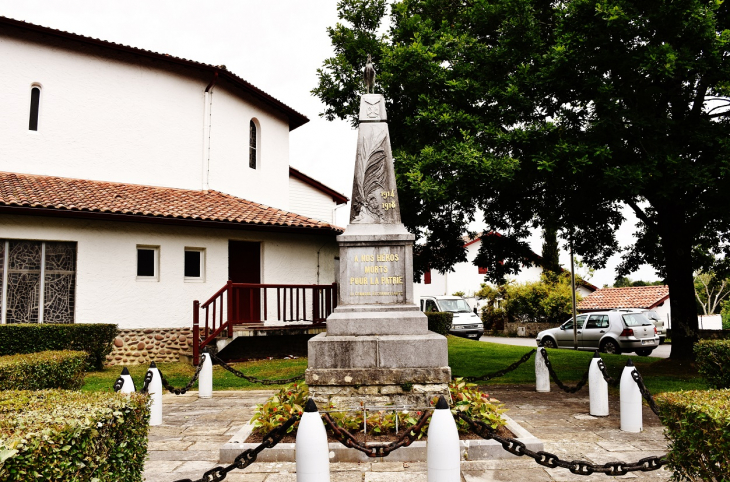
{"x":375,"y":275}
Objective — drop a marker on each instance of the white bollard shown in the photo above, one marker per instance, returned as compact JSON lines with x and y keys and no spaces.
{"x":155,"y":391}
{"x":442,"y":447}
{"x":128,"y":386}
{"x":205,"y":380}
{"x":542,"y":375}
{"x":598,"y":389}
{"x":631,"y":416}
{"x":312,"y":449}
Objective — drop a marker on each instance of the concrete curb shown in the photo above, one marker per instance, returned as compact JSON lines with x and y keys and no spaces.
{"x":416,"y":452}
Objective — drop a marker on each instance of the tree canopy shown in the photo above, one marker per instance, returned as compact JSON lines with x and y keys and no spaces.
{"x":554,"y":114}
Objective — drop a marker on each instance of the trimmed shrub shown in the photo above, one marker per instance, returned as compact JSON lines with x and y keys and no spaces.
{"x":59,"y":435}
{"x":698,"y":424}
{"x":440,"y":322}
{"x":713,"y":362}
{"x":94,"y":339}
{"x":47,"y":369}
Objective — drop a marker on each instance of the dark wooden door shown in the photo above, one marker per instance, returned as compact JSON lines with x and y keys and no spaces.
{"x":244,"y":266}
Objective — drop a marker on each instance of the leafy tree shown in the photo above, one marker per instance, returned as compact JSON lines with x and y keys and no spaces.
{"x":533,"y":112}
{"x":710,"y":292}
{"x":550,"y":250}
{"x":625,"y":282}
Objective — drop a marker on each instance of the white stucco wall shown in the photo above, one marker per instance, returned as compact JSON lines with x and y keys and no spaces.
{"x":107,"y":288}
{"x":128,"y":120}
{"x":309,"y":201}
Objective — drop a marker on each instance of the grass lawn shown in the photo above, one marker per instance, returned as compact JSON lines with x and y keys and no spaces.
{"x":470,"y":358}
{"x":467,"y":358}
{"x":178,"y":374}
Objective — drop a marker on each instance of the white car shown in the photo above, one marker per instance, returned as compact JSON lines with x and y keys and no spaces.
{"x":466,"y":323}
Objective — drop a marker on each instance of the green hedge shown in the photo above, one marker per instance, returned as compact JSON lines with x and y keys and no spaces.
{"x":57,"y":435}
{"x":698,"y":425}
{"x":713,"y":362}
{"x":440,"y":322}
{"x":94,"y":339}
{"x":47,"y":369}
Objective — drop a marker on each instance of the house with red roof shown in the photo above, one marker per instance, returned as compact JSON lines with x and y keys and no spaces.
{"x":134,"y":182}
{"x":655,"y":298}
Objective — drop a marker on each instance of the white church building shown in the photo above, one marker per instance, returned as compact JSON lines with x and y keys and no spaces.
{"x":134,"y":182}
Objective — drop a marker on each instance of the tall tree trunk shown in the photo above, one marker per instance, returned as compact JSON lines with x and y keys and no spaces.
{"x":677,"y":244}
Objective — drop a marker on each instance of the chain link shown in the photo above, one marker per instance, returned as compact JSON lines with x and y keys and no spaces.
{"x":183,"y":390}
{"x":247,"y":457}
{"x":502,"y":372}
{"x":645,"y":391}
{"x":613,"y":382}
{"x":118,"y":384}
{"x":376,"y":450}
{"x":263,"y":381}
{"x":147,"y":380}
{"x":547,"y":459}
{"x":557,"y":381}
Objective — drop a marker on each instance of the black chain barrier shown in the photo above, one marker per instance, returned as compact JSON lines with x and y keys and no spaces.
{"x":251,"y":379}
{"x":147,"y":380}
{"x":547,"y":459}
{"x":183,"y":390}
{"x":500,"y":373}
{"x":645,"y":391}
{"x":247,"y":457}
{"x":118,"y":384}
{"x":376,"y":450}
{"x":611,"y":381}
{"x":557,"y":381}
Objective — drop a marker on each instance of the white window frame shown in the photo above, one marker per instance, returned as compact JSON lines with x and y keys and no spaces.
{"x":156,"y":250}
{"x":193,"y":279}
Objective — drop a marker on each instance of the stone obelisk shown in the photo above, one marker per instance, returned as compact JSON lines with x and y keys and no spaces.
{"x":377,"y":348}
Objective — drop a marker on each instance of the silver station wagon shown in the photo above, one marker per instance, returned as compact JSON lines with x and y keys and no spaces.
{"x":614,"y":331}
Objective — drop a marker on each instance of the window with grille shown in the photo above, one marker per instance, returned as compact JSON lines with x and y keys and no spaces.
{"x":252,"y":145}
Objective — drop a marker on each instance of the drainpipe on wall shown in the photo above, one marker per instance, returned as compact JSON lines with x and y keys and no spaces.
{"x":207,"y":122}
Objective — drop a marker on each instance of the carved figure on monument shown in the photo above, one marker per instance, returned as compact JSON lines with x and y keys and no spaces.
{"x":369,"y":75}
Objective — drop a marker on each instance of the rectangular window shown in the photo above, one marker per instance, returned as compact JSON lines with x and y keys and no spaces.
{"x":147,"y":262}
{"x":194,"y":264}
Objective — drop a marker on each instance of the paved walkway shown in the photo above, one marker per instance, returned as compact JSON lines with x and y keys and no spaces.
{"x":662,"y":351}
{"x":187,"y":444}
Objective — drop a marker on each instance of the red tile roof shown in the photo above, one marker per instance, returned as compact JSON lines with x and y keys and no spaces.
{"x":295,"y":118}
{"x":58,"y":195}
{"x":630,"y":297}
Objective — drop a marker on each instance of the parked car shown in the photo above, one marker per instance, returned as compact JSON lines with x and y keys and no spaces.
{"x":653,"y":316}
{"x":466,"y":323}
{"x":612,"y":331}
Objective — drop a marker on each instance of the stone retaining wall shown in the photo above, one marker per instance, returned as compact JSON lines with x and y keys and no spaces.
{"x":530,"y":329}
{"x":143,"y":345}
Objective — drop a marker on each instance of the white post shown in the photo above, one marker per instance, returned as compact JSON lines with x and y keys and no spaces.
{"x":128,"y":386}
{"x":542,"y":375}
{"x":312,"y":449}
{"x":155,"y":391}
{"x":598,"y":389}
{"x":442,"y":446}
{"x":631,"y":416}
{"x":205,"y":381}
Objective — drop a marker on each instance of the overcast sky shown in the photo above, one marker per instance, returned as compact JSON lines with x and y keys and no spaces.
{"x":277,"y":45}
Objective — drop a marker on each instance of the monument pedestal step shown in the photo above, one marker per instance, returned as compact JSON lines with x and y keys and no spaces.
{"x":377,"y":319}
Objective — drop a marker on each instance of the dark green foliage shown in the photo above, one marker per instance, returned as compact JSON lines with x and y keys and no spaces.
{"x":47,"y":369}
{"x":440,"y":322}
{"x":95,"y":339}
{"x":713,"y":362}
{"x":551,"y":251}
{"x":625,"y":282}
{"x":698,"y":425}
{"x":533,"y":113}
{"x":53,"y":435}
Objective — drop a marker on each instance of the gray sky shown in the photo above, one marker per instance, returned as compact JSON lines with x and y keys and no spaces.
{"x":277,"y":45}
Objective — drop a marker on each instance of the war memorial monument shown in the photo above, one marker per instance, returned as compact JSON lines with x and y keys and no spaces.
{"x":377,"y":349}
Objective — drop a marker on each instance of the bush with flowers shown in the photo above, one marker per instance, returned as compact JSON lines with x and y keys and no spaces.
{"x":465,"y":398}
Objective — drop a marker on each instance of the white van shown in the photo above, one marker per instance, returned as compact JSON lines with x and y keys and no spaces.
{"x":466,"y":323}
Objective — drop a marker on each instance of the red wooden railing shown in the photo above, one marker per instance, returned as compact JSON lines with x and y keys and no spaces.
{"x":248,"y":303}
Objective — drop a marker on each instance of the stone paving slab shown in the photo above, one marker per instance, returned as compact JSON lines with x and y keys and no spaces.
{"x":548,"y":416}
